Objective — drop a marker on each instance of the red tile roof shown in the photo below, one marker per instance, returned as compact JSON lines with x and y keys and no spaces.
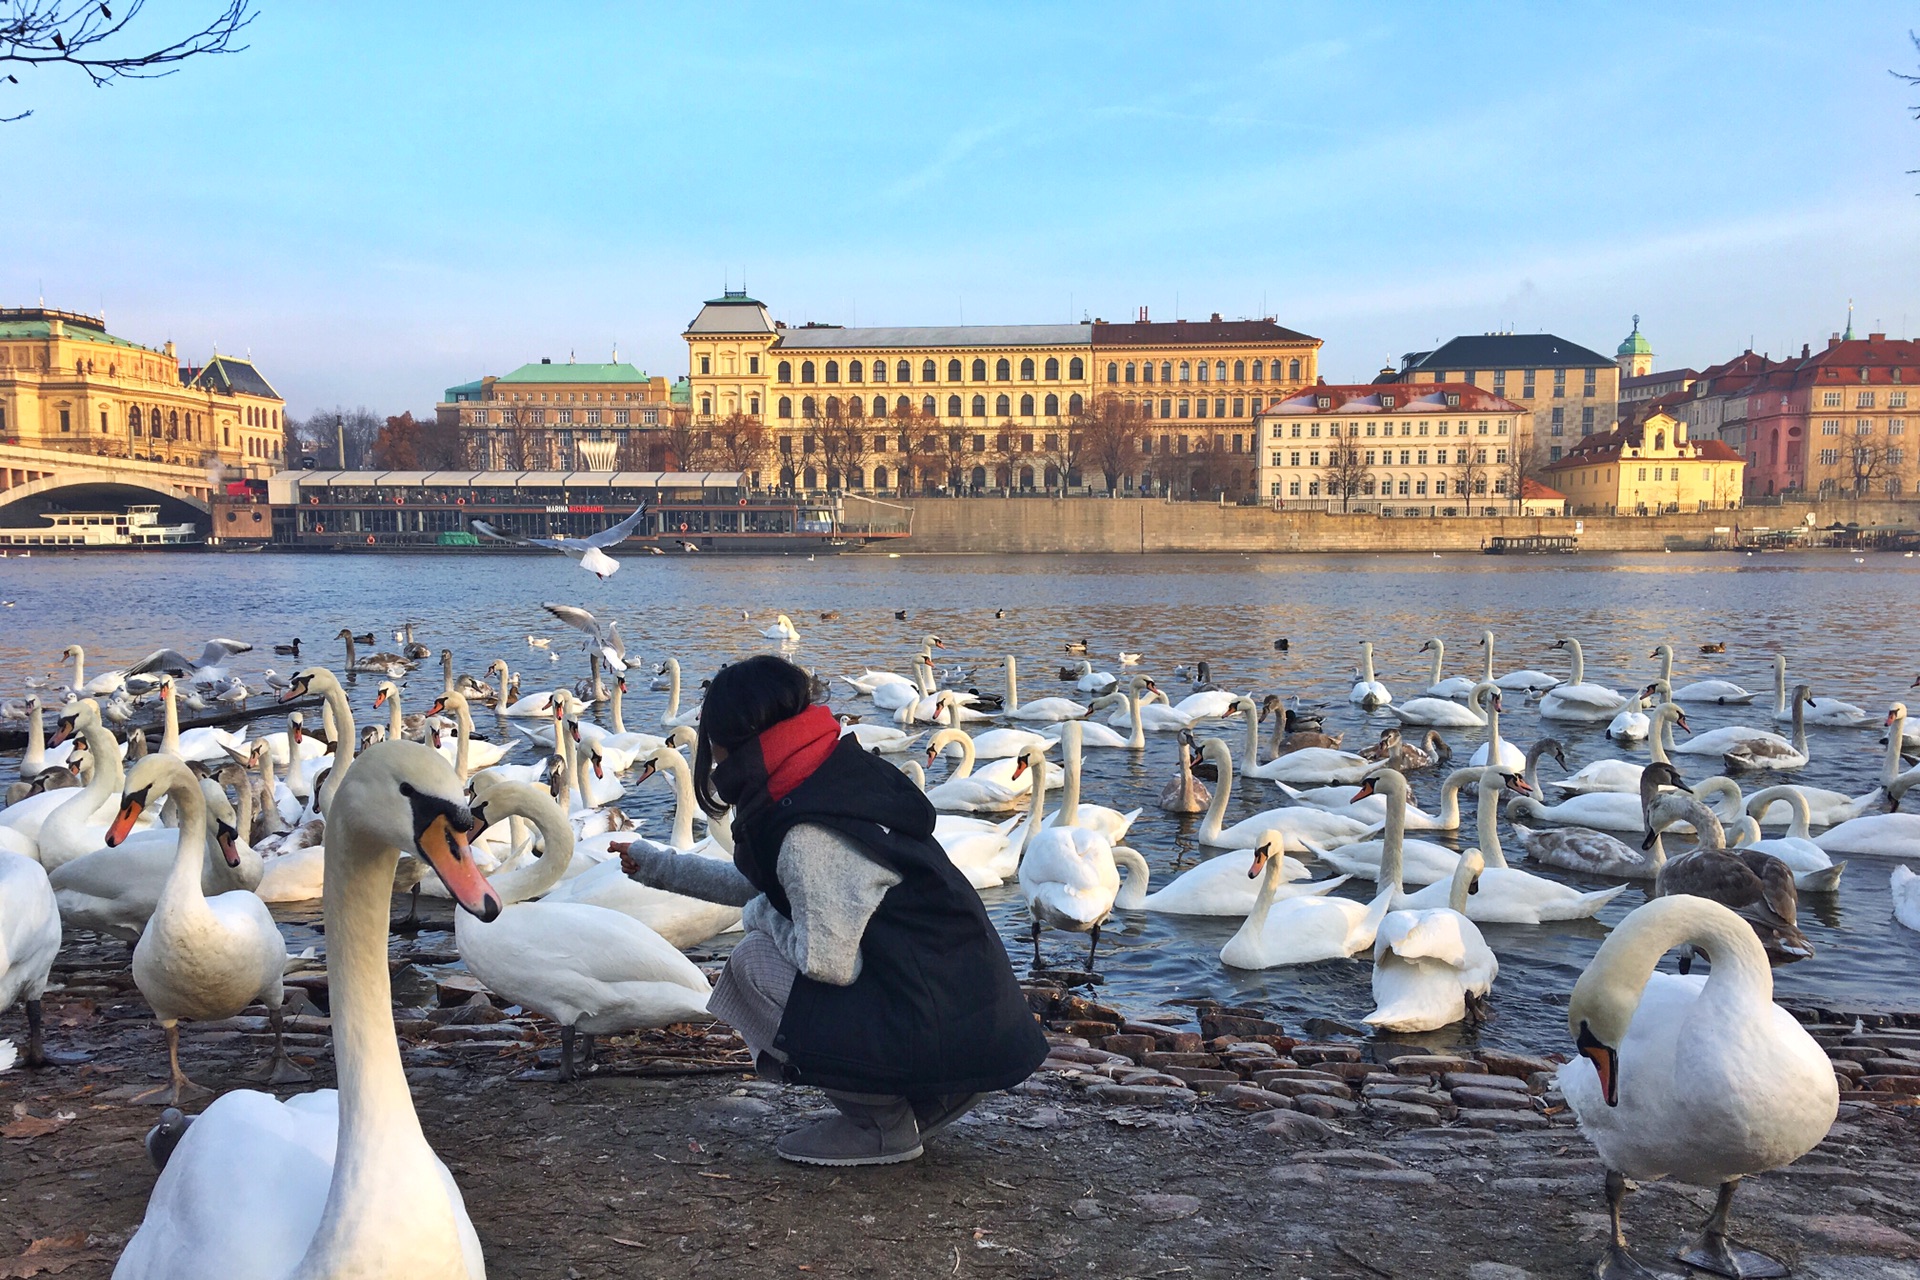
{"x":1610,"y":445}
{"x":1194,"y":333}
{"x":1408,"y":398}
{"x":1532,"y":490}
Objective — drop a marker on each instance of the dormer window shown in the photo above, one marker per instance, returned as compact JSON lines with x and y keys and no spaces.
{"x":1388,"y":402}
{"x":1323,"y":402}
{"x":1453,"y":399}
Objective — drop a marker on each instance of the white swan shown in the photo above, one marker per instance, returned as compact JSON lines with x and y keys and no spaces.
{"x":1578,"y":700}
{"x":1723,"y":692}
{"x":1441,"y":712}
{"x":1127,"y":699}
{"x":961,"y":792}
{"x":29,"y":940}
{"x":1110,"y":824}
{"x":1769,"y":751}
{"x":1308,"y":766}
{"x":591,"y":970}
{"x":1524,"y":680}
{"x":882,"y":738}
{"x":1888,"y":835}
{"x":1830,"y":712}
{"x":1905,"y":887}
{"x":1631,"y":723}
{"x":1421,"y":861}
{"x":1367,"y":691}
{"x":335,"y":1184}
{"x":1453,"y":686}
{"x":195,"y":746}
{"x":323,"y":682}
{"x":468,"y":754}
{"x":199,"y":957}
{"x":1040,"y":709}
{"x":1495,"y":750}
{"x":1813,"y":871}
{"x":1070,"y":877}
{"x":71,"y":830}
{"x":1699,"y":1078}
{"x":1624,"y":775}
{"x":1430,"y":965}
{"x":1230,"y":884}
{"x":1372,"y":809}
{"x":782,"y":630}
{"x":1297,"y":822}
{"x":1299,"y":928}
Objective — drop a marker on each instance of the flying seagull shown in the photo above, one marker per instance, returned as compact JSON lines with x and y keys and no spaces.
{"x":606,"y":635}
{"x":590,"y":552}
{"x":208,"y":668}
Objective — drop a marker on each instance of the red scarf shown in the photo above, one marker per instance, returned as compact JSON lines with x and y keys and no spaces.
{"x":780,"y":759}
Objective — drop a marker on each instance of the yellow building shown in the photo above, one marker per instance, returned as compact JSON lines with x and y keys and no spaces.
{"x":1648,"y":468}
{"x":1571,"y":391}
{"x":66,"y":383}
{"x":570,"y":416}
{"x":985,"y":397}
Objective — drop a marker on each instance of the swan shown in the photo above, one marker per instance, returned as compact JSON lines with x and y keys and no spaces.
{"x":1368,"y":692}
{"x":1431,"y":967}
{"x":1813,"y":871}
{"x":1631,"y":723}
{"x":1830,"y":712}
{"x":682,"y":921}
{"x":593,"y":971}
{"x":323,"y":682}
{"x":962,"y":792}
{"x":71,"y":831}
{"x":1892,"y":835}
{"x":1769,"y":751}
{"x":1006,"y":744}
{"x":1373,"y":809}
{"x":1576,"y":699}
{"x":673,"y":717}
{"x":1452,"y":686}
{"x":782,"y":630}
{"x":1069,"y":876}
{"x":1701,"y":1078}
{"x":1210,"y":704}
{"x":1524,"y":680}
{"x":909,"y":694}
{"x":383,"y":664}
{"x":1185,"y":793}
{"x":29,"y":940}
{"x":199,"y":957}
{"x":1110,"y":824}
{"x":1298,"y":822}
{"x":869,"y":680}
{"x":335,"y":1184}
{"x":1230,"y":884}
{"x":1155,"y":713}
{"x":1087,"y":680}
{"x":1298,"y":928}
{"x":978,"y":848}
{"x":1307,"y":766}
{"x":292,"y":744}
{"x":881,"y":738}
{"x":100,"y":686}
{"x":1718,"y":742}
{"x":195,"y":746}
{"x":399,"y":725}
{"x":468,"y":754}
{"x":1724,"y":692}
{"x":1624,"y":775}
{"x":1758,"y":885}
{"x":1905,"y":887}
{"x":1040,"y":709}
{"x":26,"y":819}
{"x":116,"y":889}
{"x":621,"y":747}
{"x":1596,"y":853}
{"x":1420,"y":861}
{"x":1442,"y":712}
{"x":1604,"y":810}
{"x":1495,"y":750}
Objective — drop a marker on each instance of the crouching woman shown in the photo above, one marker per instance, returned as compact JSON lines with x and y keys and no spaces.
{"x":869,"y":968}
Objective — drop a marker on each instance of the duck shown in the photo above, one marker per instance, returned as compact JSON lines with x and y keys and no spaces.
{"x":1302,"y":927}
{"x":29,"y":941}
{"x":1769,"y":751}
{"x":592,"y":970}
{"x":1299,"y":822}
{"x":1759,"y":886}
{"x":1293,"y":731}
{"x":199,"y":957}
{"x":1700,"y":1078}
{"x":1453,"y":686}
{"x":1431,"y":966}
{"x":782,"y":630}
{"x":1624,"y":775}
{"x":1185,"y":793}
{"x":962,"y":792}
{"x":1723,"y":692}
{"x":1070,"y":876}
{"x":1813,"y":870}
{"x":384,"y":664}
{"x":1578,"y":700}
{"x":1595,"y":853}
{"x":1368,"y":692}
{"x":1495,"y":750}
{"x":1421,"y":862}
{"x":1830,"y":712}
{"x":337,"y":1183}
{"x":1048,"y":710}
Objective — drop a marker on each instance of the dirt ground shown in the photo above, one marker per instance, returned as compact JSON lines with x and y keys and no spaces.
{"x":637,"y":1173}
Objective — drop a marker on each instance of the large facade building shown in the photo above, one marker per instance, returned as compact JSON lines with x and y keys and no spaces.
{"x":1835,"y":420}
{"x":68,"y":384}
{"x":572,"y":416}
{"x":979,"y":407}
{"x":1571,"y":391}
{"x":1447,"y":448}
{"x":1647,"y":468}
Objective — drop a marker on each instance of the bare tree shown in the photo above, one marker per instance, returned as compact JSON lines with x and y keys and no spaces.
{"x":1513,"y":466}
{"x":1913,"y":80}
{"x":63,"y":32}
{"x":1469,"y":476}
{"x":845,"y":445}
{"x":682,"y":441}
{"x":740,"y":443}
{"x":919,"y":443}
{"x":956,"y":457}
{"x":1344,"y":474}
{"x":1064,"y":449}
{"x":1110,"y":431}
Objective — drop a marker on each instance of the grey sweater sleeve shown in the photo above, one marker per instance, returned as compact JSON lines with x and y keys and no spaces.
{"x":834,"y":889}
{"x":690,"y":875}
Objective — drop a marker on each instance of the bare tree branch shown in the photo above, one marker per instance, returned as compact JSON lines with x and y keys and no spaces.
{"x":45,"y":32}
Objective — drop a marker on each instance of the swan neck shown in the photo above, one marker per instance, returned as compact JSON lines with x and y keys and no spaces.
{"x":1133,"y":894}
{"x":1779,"y":684}
{"x":170,"y":736}
{"x":1070,"y":794}
{"x":673,"y":691}
{"x":1486,"y":667}
{"x":1457,"y":888}
{"x":1251,"y":757}
{"x":1799,"y":723}
{"x":1013,"y":684}
{"x":1393,"y":843}
{"x":619,"y":695}
{"x":1439,"y":661}
{"x":1617,"y":976}
{"x":1896,"y":734}
{"x":1366,"y":660}
{"x":446,"y":670}
{"x":462,"y":736}
{"x":1216,"y":751}
{"x":1450,"y":797}
{"x":79,"y":669}
{"x":1269,"y":890}
{"x":182,"y":893}
{"x":1037,"y":763}
{"x":547,"y":870}
{"x":1579,"y":662}
{"x":396,"y":723}
{"x":682,"y":800}
{"x":1488,"y":817}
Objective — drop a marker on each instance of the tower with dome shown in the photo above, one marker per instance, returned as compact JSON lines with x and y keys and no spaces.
{"x":1635,"y":355}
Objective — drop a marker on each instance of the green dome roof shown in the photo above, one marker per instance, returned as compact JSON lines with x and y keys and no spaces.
{"x":1636,"y":343}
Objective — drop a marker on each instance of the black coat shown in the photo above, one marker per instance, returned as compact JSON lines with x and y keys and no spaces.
{"x":936,"y":1008}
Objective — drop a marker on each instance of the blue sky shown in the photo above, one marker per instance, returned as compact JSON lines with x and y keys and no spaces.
{"x":381,"y":200}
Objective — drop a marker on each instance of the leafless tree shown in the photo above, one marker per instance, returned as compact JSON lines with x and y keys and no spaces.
{"x":89,"y":36}
{"x":845,"y":445}
{"x":1913,"y":80}
{"x":1470,"y":476}
{"x":1064,"y":449}
{"x":1110,"y":431}
{"x":1345,"y":473}
{"x":919,"y":441}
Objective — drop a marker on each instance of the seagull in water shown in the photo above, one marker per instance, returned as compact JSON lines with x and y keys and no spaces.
{"x":589,"y":551}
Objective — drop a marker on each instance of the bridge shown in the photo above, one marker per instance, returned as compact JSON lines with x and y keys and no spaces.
{"x":33,"y":481}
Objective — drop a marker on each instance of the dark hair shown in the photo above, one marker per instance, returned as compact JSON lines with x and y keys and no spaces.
{"x":744,"y":700}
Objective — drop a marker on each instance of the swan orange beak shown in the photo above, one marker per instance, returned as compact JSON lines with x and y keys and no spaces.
{"x":647,"y":770}
{"x":1260,"y":856}
{"x":1018,"y":769}
{"x":1366,"y":789}
{"x":444,"y":847}
{"x":130,"y":810}
{"x":1606,"y":1064}
{"x":380,"y":699}
{"x":598,"y":770}
{"x":65,"y":728}
{"x":439,"y":707}
{"x":229,"y":840}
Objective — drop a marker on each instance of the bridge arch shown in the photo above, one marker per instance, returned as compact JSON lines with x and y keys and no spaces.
{"x":82,"y":490}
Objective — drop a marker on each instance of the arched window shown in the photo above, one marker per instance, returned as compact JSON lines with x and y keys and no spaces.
{"x":133,"y":421}
{"x":807,"y":407}
{"x":1293,"y":370}
{"x":806,"y":371}
{"x":1073,"y":405}
{"x":953,"y":406}
{"x":1076,"y":369}
{"x":1166,"y":371}
{"x":953,"y":371}
{"x":1026,"y":405}
{"x":833,"y":371}
{"x":903,"y":372}
{"x":1219,"y":370}
{"x":1659,"y":440}
{"x":786,"y":406}
{"x":1026,"y":369}
{"x":1259,"y":371}
{"x":785,"y":371}
{"x":1239,"y":370}
{"x":857,"y":407}
{"x":833,"y":406}
{"x":903,"y":405}
{"x":1203,"y":371}
{"x":1053,"y":368}
{"x":856,"y":371}
{"x":926,"y":405}
{"x":1002,"y":405}
{"x":979,"y":370}
{"x":979,"y":477}
{"x":173,"y":425}
{"x":880,"y":406}
{"x":1131,"y":370}
{"x":979,"y":406}
{"x":1186,"y":371}
{"x":879,"y":370}
{"x":879,"y":477}
{"x":1052,"y":405}
{"x":1113,"y":371}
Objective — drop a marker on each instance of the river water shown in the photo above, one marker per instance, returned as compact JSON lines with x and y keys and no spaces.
{"x":1842,"y":622}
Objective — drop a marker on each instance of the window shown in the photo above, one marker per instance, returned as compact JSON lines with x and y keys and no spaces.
{"x":1002,"y":405}
{"x":1130,"y":371}
{"x":854,"y":371}
{"x":1293,"y":370}
{"x":1239,"y":406}
{"x":1659,"y":473}
{"x":953,"y":406}
{"x":1113,"y":371}
{"x":1186,"y":371}
{"x":1863,"y":427}
{"x":1200,"y":406}
{"x":1293,"y":488}
{"x":66,"y":420}
{"x":979,"y":370}
{"x":1185,"y":407}
{"x":1895,"y":427}
{"x":1558,"y":427}
{"x":1406,"y":458}
{"x":784,"y":371}
{"x":1003,"y":370}
{"x":1260,"y":370}
{"x":1830,"y":426}
{"x":1073,"y":404}
{"x":806,"y":371}
{"x":1076,"y":369}
{"x":1313,"y":457}
{"x":979,"y":406}
{"x":1453,"y":402}
{"x":1829,"y":457}
{"x":833,"y":371}
{"x":1526,"y":384}
{"x":1830,"y":399}
{"x":953,"y":371}
{"x":1586,"y":422}
{"x":1053,"y":370}
{"x":1499,"y":382}
{"x":1553,"y":453}
{"x":1052,"y":403}
{"x":1896,"y":456}
{"x":1588,"y":389}
{"x":1026,"y":405}
{"x":1559,"y":383}
{"x":706,"y":364}
{"x":926,"y":405}
{"x":1896,"y":399}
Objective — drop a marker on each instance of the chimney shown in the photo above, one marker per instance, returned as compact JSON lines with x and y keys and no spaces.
{"x":1876,"y":337}
{"x":1143,"y":315}
{"x":1805,"y":351}
{"x":546,"y":359}
{"x":1214,"y":318}
{"x":1833,"y":340}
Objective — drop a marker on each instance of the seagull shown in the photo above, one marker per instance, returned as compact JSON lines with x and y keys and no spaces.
{"x":606,"y":634}
{"x":589,"y":551}
{"x":208,"y":668}
{"x":538,"y":642}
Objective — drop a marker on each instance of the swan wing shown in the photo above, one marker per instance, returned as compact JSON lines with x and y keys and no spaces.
{"x":1437,"y":934}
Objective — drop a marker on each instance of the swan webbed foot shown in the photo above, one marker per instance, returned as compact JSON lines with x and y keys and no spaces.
{"x":1618,"y":1263}
{"x":1715,"y":1253}
{"x":1479,"y":1008}
{"x":279,"y":1069}
{"x":38,"y":1058}
{"x":411,"y":922}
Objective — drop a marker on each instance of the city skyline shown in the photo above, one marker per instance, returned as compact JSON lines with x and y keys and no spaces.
{"x":1363,"y":178}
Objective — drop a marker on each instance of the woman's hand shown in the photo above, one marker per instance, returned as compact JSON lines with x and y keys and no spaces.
{"x":623,"y":847}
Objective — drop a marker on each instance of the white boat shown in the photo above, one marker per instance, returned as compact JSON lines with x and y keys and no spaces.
{"x":134,"y":527}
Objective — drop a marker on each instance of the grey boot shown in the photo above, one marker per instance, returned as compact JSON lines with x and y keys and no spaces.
{"x":870,"y":1129}
{"x":935,"y":1115}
